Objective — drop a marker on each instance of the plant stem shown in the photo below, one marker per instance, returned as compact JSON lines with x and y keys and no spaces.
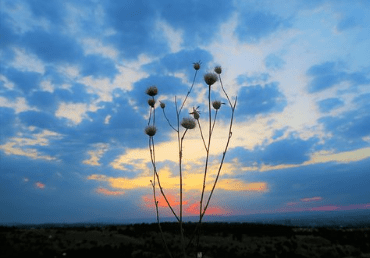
{"x":207,"y":156}
{"x":218,"y":173}
{"x":201,"y":134}
{"x":152,"y":158}
{"x":151,"y":147}
{"x":195,"y":75}
{"x":223,"y":158}
{"x":180,"y":173}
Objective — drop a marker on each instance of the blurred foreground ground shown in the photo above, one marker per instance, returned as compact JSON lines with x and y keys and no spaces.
{"x":217,"y":240}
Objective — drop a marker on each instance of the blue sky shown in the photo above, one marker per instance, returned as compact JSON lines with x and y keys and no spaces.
{"x":73,"y":107}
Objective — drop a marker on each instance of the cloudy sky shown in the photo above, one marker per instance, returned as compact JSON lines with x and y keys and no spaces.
{"x":73,"y":107}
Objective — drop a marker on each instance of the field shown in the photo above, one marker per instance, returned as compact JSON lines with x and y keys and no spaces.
{"x":217,"y":240}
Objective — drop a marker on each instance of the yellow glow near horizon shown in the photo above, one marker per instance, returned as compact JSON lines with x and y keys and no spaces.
{"x":191,"y":181}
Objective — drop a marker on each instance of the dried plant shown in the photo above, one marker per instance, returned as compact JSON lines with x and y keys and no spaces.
{"x":188,"y":123}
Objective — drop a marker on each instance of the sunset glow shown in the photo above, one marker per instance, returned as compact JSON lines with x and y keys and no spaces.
{"x":73,"y":107}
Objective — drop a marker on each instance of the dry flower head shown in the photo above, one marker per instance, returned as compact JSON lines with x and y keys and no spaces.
{"x":188,"y":123}
{"x":210,"y":78}
{"x":152,"y":91}
{"x":150,"y":130}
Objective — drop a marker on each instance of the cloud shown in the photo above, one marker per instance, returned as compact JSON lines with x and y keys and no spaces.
{"x":167,"y":85}
{"x":329,"y":74}
{"x":133,"y":26}
{"x":256,"y":25}
{"x":73,"y":112}
{"x":274,"y":62}
{"x":255,"y":78}
{"x":95,"y":155}
{"x":40,"y":119}
{"x":311,"y":199}
{"x":230,"y":184}
{"x":24,"y":80}
{"x":287,"y":151}
{"x":104,"y":191}
{"x":51,"y":11}
{"x":40,"y":185}
{"x":26,"y":62}
{"x":52,"y":46}
{"x":149,"y":200}
{"x":326,"y":105}
{"x":198,"y":28}
{"x":179,"y":62}
{"x":340,"y":157}
{"x":191,"y":181}
{"x":211,"y":210}
{"x":31,"y":144}
{"x":7,"y":118}
{"x":257,"y":99}
{"x":349,"y":129}
{"x":98,"y":66}
{"x":347,"y":23}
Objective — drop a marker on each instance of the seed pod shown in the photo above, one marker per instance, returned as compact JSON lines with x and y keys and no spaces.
{"x":150,"y":130}
{"x":218,"y":70}
{"x":152,"y":91}
{"x":188,"y":123}
{"x":196,"y":65}
{"x":216,"y":104}
{"x":151,"y":102}
{"x":210,"y":78}
{"x":163,"y":105}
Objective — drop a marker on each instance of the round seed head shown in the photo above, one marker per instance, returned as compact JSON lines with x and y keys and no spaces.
{"x":151,"y":102}
{"x":188,"y":123}
{"x":163,"y":105}
{"x":210,"y":78}
{"x":216,"y":104}
{"x":152,"y":91}
{"x":150,"y":130}
{"x":218,"y":70}
{"x":196,"y":65}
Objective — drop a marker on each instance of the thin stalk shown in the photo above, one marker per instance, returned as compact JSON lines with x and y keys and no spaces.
{"x":156,"y":174}
{"x":164,"y":113}
{"x":152,"y":158}
{"x":214,"y":120}
{"x":223,"y":158}
{"x":180,"y":173}
{"x":209,"y":143}
{"x":196,"y":71}
{"x":201,"y":134}
{"x":222,"y":86}
{"x":207,"y":156}
{"x":218,"y":173}
{"x":152,"y":151}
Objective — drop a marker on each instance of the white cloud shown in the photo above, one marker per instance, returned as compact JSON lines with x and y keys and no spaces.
{"x":24,"y":61}
{"x":174,"y":37}
{"x":22,"y":19}
{"x":71,"y":72}
{"x":96,"y":154}
{"x":19,"y":105}
{"x":75,"y":112}
{"x":22,"y":144}
{"x":95,"y":46}
{"x":7,"y":84}
{"x":127,"y":76}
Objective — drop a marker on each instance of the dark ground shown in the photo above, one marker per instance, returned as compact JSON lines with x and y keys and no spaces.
{"x":217,"y":240}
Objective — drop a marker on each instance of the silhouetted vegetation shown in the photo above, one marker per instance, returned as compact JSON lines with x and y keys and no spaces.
{"x":218,"y":240}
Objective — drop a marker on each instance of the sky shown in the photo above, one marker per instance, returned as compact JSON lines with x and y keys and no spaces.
{"x":73,"y":107}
